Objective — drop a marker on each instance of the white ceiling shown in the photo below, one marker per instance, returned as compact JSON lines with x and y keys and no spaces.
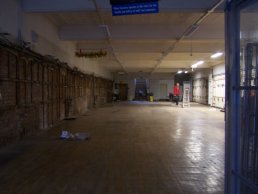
{"x":148,"y":43}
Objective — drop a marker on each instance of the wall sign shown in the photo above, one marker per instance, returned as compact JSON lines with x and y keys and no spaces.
{"x":135,"y":8}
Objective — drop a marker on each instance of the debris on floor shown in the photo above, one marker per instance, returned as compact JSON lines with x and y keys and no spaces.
{"x":82,"y":136}
{"x":77,"y":136}
{"x":64,"y":135}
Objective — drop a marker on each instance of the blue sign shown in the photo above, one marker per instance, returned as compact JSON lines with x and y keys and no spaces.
{"x":135,"y":8}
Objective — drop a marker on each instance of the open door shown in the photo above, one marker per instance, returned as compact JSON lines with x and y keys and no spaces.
{"x":241,"y":165}
{"x":140,"y":89}
{"x":123,"y":92}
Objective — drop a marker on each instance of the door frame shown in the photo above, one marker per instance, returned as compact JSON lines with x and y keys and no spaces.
{"x":233,"y":176}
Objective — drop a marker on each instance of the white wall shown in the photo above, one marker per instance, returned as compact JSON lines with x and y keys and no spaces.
{"x":210,"y":90}
{"x":200,"y":85}
{"x":216,"y":87}
{"x":201,"y":73}
{"x":155,"y":87}
{"x":218,"y":69}
{"x":12,"y":19}
{"x":200,"y":90}
{"x":161,"y":78}
{"x":153,"y":83}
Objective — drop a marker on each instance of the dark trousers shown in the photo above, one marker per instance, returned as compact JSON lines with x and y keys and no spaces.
{"x":176,"y":98}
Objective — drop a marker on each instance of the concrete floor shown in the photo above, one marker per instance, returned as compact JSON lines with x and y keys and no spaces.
{"x":135,"y":148}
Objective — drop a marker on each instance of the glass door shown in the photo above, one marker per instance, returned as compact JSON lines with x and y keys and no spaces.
{"x":249,"y":97}
{"x":241,"y":143}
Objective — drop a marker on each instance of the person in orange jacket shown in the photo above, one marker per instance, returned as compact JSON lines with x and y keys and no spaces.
{"x":176,"y":93}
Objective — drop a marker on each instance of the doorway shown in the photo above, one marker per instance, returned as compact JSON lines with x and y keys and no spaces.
{"x":140,"y":89}
{"x":123,"y":91}
{"x":163,"y":88}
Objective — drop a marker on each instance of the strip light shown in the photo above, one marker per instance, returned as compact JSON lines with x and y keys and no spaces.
{"x":182,"y":71}
{"x":196,"y":64}
{"x":216,"y":55}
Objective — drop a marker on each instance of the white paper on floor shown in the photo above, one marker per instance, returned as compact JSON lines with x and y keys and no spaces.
{"x":77,"y":136}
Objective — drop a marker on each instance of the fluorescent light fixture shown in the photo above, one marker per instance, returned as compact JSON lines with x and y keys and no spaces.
{"x":196,"y":64}
{"x":186,"y":71}
{"x":216,"y":55}
{"x":179,"y":71}
{"x":199,"y":63}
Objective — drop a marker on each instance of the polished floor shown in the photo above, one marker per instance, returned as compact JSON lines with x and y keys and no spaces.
{"x":135,"y":148}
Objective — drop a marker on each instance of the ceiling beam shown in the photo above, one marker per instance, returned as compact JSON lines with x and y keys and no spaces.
{"x":87,"y":5}
{"x":188,"y":32}
{"x":186,"y":5}
{"x":81,"y":32}
{"x":135,"y":32}
{"x":125,"y":47}
{"x":57,"y":5}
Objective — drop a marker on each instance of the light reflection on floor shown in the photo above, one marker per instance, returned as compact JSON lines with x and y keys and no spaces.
{"x":136,"y":148}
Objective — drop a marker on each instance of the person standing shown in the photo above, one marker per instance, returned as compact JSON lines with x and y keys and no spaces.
{"x":176,"y":93}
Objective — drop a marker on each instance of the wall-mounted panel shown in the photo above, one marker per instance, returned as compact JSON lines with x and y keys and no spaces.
{"x":200,"y":90}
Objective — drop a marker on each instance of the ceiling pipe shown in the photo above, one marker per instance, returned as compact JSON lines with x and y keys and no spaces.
{"x":188,"y":32}
{"x":196,"y":25}
{"x":107,"y":30}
